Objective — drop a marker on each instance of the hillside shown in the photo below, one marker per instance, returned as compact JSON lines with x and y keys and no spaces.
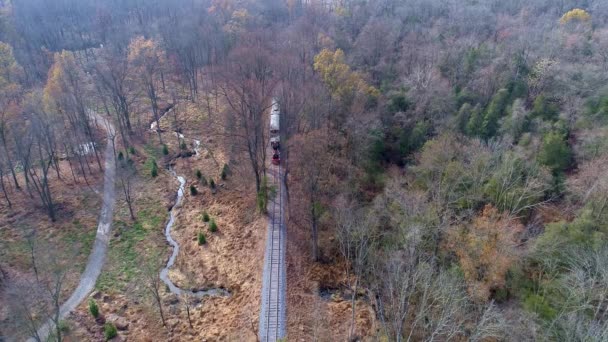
{"x":237,"y":170}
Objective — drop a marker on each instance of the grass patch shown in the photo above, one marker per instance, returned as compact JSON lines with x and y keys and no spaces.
{"x":81,"y":237}
{"x":153,"y":150}
{"x":76,"y":237}
{"x":125,"y":251}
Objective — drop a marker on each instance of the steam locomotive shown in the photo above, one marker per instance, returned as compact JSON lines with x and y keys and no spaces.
{"x":275,"y":141}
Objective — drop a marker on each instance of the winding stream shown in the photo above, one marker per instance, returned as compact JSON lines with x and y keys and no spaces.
{"x":164,"y":273}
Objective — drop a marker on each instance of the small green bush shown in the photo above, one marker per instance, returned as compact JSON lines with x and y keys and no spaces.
{"x":93,"y":308}
{"x":165,"y":150}
{"x":205,"y":217}
{"x":193,"y":190}
{"x":183,"y":145}
{"x":501,"y":295}
{"x":212,"y":226}
{"x":262,"y":196}
{"x":211,"y":184}
{"x":64,"y":326}
{"x":399,"y":103}
{"x":201,"y":239}
{"x":132,"y":150}
{"x":120,"y":155}
{"x":262,"y":201}
{"x":109,"y":331}
{"x":539,"y":305}
{"x":154,"y":169}
{"x":199,"y":175}
{"x":225,"y":171}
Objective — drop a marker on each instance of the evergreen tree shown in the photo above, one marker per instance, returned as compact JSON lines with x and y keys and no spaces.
{"x":495,"y":111}
{"x":555,"y":152}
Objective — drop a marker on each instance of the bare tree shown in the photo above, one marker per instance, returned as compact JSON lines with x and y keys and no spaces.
{"x":312,"y":163}
{"x":148,"y":60}
{"x":26,"y":304}
{"x":355,"y":238}
{"x":114,"y":83}
{"x":246,"y":85}
{"x":43,"y":135}
{"x":126,"y":174}
{"x":188,"y":298}
{"x":152,"y":282}
{"x":36,"y":301}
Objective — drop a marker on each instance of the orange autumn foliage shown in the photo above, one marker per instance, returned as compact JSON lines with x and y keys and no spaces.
{"x":486,"y":250}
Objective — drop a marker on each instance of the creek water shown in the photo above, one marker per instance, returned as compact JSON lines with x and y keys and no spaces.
{"x":164,"y":273}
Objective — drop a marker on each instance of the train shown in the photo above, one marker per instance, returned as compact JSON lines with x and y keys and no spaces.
{"x":275,"y":140}
{"x":274,"y":117}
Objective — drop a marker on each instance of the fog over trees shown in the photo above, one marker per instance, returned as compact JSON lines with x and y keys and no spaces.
{"x":449,"y":155}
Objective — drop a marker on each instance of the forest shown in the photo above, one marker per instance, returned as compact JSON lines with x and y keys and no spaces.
{"x":443,"y":162}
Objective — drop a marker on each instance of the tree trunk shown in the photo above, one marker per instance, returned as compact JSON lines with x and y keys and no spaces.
{"x":160,"y":309}
{"x":10,"y":162}
{"x":353,"y":305}
{"x":189,"y":319}
{"x":315,"y":233}
{"x":8,"y":201}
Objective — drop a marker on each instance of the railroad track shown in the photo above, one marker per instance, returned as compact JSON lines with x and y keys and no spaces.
{"x":272,"y":310}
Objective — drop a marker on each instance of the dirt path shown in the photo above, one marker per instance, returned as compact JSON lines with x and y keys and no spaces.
{"x":100,"y":248}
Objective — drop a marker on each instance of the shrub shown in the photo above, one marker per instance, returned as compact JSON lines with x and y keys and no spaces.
{"x":120,"y":155}
{"x":539,"y":305}
{"x":212,"y":226}
{"x":153,"y":168}
{"x":63,"y":326}
{"x":199,"y":174}
{"x":262,"y":196}
{"x":132,"y":150}
{"x":501,"y":295}
{"x":399,"y":103}
{"x":225,"y":171}
{"x":109,"y":331}
{"x":183,"y":145}
{"x":193,"y":190}
{"x":205,"y":217}
{"x":211,"y":184}
{"x":165,"y":150}
{"x":93,"y":308}
{"x":544,"y":108}
{"x":555,"y":152}
{"x":262,"y":201}
{"x":201,"y":239}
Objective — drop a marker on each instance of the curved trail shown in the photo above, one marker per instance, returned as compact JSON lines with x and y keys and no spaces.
{"x":164,"y":273}
{"x":97,"y":257}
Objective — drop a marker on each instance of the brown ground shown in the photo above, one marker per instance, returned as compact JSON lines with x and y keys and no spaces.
{"x":231,"y":259}
{"x":318,"y":304}
{"x":73,"y":232}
